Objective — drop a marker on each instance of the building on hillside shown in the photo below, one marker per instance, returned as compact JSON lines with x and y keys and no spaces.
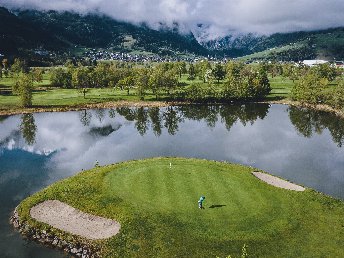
{"x":339,"y":64}
{"x":314,"y":62}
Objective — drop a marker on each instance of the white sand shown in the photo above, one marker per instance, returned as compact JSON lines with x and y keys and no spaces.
{"x":275,"y":181}
{"x":64,"y":217}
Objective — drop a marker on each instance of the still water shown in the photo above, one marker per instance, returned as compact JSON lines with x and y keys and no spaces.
{"x":36,"y":150}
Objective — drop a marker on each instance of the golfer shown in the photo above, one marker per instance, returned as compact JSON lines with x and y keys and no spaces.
{"x":200,"y":202}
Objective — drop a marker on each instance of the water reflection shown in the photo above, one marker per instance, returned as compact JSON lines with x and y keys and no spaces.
{"x":308,"y":121}
{"x":36,"y":150}
{"x":171,"y":117}
{"x":28,"y":128}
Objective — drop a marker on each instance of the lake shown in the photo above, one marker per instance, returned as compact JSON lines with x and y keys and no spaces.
{"x":299,"y":144}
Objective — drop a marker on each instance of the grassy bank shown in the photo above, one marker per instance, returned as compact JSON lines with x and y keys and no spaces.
{"x":50,"y":98}
{"x":157,"y":208}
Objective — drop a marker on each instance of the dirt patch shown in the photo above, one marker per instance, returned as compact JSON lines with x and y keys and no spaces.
{"x":275,"y":181}
{"x":64,"y":217}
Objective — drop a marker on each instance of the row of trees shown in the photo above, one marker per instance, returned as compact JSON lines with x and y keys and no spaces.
{"x":242,"y":81}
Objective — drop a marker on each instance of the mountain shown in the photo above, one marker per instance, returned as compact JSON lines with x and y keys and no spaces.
{"x":35,"y":34}
{"x":325,"y":44}
{"x":16,"y":33}
{"x":62,"y":31}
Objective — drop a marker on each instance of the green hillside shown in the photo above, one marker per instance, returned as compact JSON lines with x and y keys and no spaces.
{"x":62,"y":31}
{"x":24,"y":32}
{"x":325,"y":44}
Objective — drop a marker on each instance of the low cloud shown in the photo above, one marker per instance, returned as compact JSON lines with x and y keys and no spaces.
{"x":219,"y":17}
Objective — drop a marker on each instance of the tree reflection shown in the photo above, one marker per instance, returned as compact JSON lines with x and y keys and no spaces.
{"x":141,"y":121}
{"x":85,"y":117}
{"x":172,"y":119}
{"x":28,"y":128}
{"x":156,"y":118}
{"x":100,"y":114}
{"x":308,"y":121}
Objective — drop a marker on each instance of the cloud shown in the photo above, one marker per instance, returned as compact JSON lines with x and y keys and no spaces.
{"x":220,"y":16}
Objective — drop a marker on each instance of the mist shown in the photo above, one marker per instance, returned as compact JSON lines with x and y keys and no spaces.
{"x":217,"y":17}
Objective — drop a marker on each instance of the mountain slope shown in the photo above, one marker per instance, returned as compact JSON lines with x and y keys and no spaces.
{"x":24,"y":31}
{"x":326,"y":44}
{"x":62,"y":30}
{"x":16,"y":33}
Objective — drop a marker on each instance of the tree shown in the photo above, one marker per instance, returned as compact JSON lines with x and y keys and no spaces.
{"x":192,"y":72}
{"x":37,"y":74}
{"x":100,"y":75}
{"x":156,"y":81}
{"x":126,"y":83}
{"x":19,"y":66}
{"x":182,"y":68}
{"x":81,"y":79}
{"x":309,"y":89}
{"x":60,"y":77}
{"x":337,"y":97}
{"x":170,"y":81}
{"x":23,"y":87}
{"x":142,"y":81}
{"x":218,"y":72}
{"x":203,"y":69}
{"x":326,"y":71}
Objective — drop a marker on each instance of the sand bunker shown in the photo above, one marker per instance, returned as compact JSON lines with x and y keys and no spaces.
{"x":275,"y":181}
{"x":62,"y":216}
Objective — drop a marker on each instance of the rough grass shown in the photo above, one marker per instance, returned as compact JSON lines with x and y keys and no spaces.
{"x":157,"y":208}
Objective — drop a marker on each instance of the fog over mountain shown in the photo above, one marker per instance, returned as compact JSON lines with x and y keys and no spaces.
{"x":217,"y":17}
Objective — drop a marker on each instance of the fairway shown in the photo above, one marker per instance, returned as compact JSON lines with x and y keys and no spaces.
{"x":157,"y":207}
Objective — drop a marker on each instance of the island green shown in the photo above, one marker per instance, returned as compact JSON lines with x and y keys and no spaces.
{"x":155,"y":200}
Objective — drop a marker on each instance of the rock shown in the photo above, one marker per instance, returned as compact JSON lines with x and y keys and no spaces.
{"x":15,"y":224}
{"x":63,"y":243}
{"x":74,"y":250}
{"x":55,"y":242}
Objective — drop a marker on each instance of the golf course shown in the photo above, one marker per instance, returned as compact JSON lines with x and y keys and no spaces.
{"x":155,"y":202}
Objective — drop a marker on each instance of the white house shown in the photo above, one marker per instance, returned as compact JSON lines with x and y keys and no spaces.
{"x":314,"y":62}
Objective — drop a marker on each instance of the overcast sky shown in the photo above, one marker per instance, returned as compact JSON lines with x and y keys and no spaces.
{"x":220,"y":16}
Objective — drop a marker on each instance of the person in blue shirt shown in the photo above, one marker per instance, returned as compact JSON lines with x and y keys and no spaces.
{"x":200,"y":202}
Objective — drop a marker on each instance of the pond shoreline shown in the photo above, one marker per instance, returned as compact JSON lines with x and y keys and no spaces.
{"x":49,"y":239}
{"x":116,"y":104}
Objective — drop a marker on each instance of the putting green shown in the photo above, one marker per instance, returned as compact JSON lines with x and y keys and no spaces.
{"x":157,"y":208}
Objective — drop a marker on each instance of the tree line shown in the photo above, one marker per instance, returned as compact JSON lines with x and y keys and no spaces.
{"x":199,"y":82}
{"x":219,"y":82}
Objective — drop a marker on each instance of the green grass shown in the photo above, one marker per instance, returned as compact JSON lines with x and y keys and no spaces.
{"x":157,"y":208}
{"x":281,"y":88}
